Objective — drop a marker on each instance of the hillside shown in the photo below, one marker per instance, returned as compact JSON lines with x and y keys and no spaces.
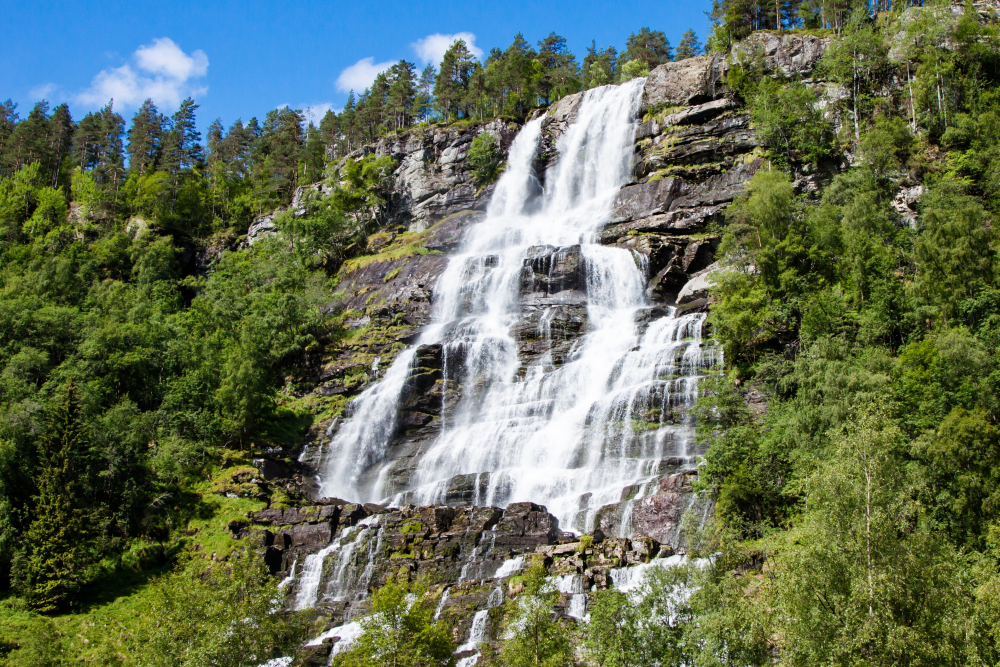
{"x":694,"y":368}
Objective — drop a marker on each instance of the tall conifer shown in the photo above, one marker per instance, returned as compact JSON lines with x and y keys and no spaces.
{"x":58,"y":536}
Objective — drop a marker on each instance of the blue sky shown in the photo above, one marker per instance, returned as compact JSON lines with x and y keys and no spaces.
{"x":241,"y":59}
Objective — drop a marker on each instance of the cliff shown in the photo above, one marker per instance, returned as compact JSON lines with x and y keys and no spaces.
{"x":694,"y":150}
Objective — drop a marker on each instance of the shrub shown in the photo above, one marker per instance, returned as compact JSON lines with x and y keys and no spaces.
{"x":485,"y":158}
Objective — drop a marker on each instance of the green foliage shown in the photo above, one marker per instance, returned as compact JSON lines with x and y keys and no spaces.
{"x":225,"y":616}
{"x":859,"y":60}
{"x":789,"y":122}
{"x":28,"y":639}
{"x":646,"y":626}
{"x":57,"y":555}
{"x":485,"y":158}
{"x":632,"y":69}
{"x":400,"y":631}
{"x":533,"y":637}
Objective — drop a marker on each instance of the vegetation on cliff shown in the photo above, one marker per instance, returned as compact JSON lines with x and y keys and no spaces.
{"x":854,"y":444}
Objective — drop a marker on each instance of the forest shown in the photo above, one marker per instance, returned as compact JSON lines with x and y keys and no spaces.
{"x":853,"y":439}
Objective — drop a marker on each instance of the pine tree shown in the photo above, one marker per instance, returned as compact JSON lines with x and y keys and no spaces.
{"x":424,"y":101}
{"x":8,"y":121}
{"x":214,"y":139}
{"x":689,"y":46}
{"x":60,"y":137}
{"x":98,"y":148}
{"x":650,"y":46}
{"x":181,"y":146}
{"x":312,"y":154}
{"x":600,"y":66}
{"x":348,"y":122}
{"x":281,"y":143}
{"x":145,"y":139}
{"x":453,"y":80}
{"x":402,"y":93}
{"x":28,"y":143}
{"x":58,"y":536}
{"x":330,"y":134}
{"x":559,"y":68}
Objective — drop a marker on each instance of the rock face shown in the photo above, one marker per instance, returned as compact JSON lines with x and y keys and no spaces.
{"x":331,"y":554}
{"x":685,"y":82}
{"x":694,"y":152}
{"x":432,"y":180}
{"x":787,"y":54}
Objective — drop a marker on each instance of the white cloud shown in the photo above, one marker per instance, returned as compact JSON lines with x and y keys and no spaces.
{"x":43,"y":92}
{"x":166,"y":58}
{"x":162,"y":72}
{"x":431,"y":48}
{"x":314,"y":113}
{"x":361,"y":74}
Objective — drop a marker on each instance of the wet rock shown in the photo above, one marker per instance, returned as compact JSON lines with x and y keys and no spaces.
{"x":525,"y":526}
{"x":549,"y":270}
{"x":270,"y":469}
{"x":467,"y":489}
{"x":432,"y":180}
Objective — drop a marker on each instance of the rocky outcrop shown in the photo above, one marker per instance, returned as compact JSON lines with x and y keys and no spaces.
{"x":432,"y":180}
{"x":684,"y":82}
{"x":468,"y":555}
{"x":792,"y":55}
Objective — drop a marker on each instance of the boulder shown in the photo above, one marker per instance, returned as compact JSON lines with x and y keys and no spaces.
{"x":683,"y":83}
{"x":262,"y":226}
{"x":526,"y":525}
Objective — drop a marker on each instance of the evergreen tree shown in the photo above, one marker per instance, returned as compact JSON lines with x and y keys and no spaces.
{"x":281,"y":145}
{"x":312,"y":155}
{"x":424,"y":101}
{"x":330,"y":134}
{"x":145,"y":139}
{"x":58,"y":536}
{"x":348,"y":123}
{"x":600,"y":66}
{"x":402,"y":94}
{"x":8,"y":121}
{"x":181,"y":145}
{"x":689,"y":46}
{"x":29,"y":141}
{"x":559,"y":69}
{"x":98,"y":148}
{"x":452,"y":82}
{"x":60,"y":137}
{"x":650,"y":46}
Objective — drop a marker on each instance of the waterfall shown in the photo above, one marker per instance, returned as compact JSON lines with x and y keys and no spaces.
{"x":344,"y":581}
{"x":570,"y":433}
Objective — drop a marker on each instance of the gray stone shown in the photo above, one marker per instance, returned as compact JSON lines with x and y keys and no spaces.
{"x":785,"y":54}
{"x":683,"y":83}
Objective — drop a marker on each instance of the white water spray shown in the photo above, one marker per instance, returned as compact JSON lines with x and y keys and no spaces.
{"x":570,"y":434}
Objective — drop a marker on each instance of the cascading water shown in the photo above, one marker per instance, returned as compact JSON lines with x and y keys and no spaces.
{"x":569,"y":433}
